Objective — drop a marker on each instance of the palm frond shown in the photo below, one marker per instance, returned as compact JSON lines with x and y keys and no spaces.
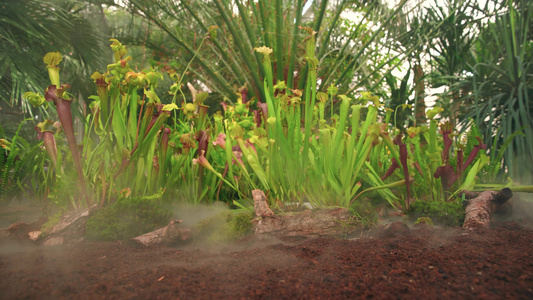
{"x":31,"y":28}
{"x":502,"y":89}
{"x":229,"y":60}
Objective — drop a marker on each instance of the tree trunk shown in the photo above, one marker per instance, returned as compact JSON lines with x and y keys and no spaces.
{"x":480,"y":207}
{"x":420,"y":104}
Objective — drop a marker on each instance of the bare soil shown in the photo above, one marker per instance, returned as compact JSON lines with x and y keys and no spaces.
{"x":421,"y":263}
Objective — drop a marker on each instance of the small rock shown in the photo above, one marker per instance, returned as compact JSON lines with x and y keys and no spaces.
{"x":397,"y":229}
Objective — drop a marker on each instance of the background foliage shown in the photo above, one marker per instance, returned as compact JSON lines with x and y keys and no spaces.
{"x":481,"y":55}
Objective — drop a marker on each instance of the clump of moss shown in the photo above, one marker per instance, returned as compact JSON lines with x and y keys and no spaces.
{"x":225,"y":226}
{"x":424,"y":220}
{"x":441,"y":213}
{"x":53,"y":220}
{"x":125,"y":220}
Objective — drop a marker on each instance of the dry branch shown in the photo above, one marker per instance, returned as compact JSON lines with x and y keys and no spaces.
{"x":480,"y":207}
{"x":169,"y":234}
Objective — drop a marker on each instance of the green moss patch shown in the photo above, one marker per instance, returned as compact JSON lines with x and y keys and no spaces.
{"x":225,"y":226}
{"x":424,"y":220}
{"x":439,"y":212}
{"x":125,"y":220}
{"x":52,"y":221}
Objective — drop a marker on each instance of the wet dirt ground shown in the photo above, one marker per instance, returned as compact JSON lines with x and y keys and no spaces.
{"x":423,"y":263}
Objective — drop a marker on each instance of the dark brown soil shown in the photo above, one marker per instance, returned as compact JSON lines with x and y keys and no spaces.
{"x":425,"y":263}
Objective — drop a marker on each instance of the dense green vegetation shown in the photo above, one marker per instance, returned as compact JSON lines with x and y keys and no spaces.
{"x":304,"y":107}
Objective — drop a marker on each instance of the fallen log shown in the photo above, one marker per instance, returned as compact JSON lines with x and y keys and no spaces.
{"x":69,"y":229}
{"x":480,"y":207}
{"x":168,"y":235}
{"x":307,"y":223}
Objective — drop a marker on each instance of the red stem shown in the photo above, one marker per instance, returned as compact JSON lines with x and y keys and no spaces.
{"x":65,"y":117}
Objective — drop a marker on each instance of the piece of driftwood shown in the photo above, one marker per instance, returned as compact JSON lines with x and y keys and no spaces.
{"x":170,"y":234}
{"x":70,"y":228}
{"x":260,"y":204}
{"x":481,"y":205}
{"x":14,"y":230}
{"x":307,"y":223}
